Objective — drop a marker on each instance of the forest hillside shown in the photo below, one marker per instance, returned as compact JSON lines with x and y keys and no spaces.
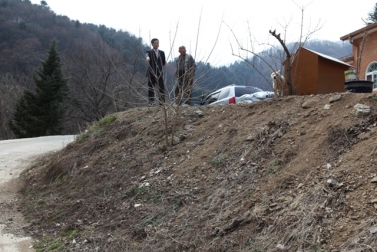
{"x":105,"y":67}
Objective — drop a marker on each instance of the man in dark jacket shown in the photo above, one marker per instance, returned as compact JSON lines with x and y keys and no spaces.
{"x":185,"y":71}
{"x":156,"y":60}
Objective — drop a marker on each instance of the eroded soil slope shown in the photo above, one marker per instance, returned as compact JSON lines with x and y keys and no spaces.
{"x":288,"y":174}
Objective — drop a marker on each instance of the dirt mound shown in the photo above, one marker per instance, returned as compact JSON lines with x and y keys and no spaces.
{"x":288,"y":174}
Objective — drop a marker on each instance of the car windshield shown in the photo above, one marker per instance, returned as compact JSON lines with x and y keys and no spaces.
{"x":240,"y":91}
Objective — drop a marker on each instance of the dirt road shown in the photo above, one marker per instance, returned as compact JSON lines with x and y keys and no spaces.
{"x":15,"y":155}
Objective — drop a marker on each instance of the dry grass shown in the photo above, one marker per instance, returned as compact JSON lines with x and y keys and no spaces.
{"x":255,"y":177}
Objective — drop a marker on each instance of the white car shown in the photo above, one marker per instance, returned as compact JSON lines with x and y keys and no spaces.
{"x":257,"y":96}
{"x":234,"y":94}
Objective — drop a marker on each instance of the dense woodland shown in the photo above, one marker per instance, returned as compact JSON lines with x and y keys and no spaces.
{"x":105,"y":67}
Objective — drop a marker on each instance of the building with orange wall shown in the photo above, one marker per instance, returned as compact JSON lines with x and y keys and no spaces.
{"x":316,"y":73}
{"x":364,"y":52}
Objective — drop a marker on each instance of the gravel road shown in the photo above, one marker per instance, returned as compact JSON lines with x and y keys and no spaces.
{"x":16,"y":155}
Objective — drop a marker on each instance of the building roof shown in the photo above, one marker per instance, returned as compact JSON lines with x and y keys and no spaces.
{"x":328,"y":57}
{"x":360,"y":32}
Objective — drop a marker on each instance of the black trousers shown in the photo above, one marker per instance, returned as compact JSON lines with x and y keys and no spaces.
{"x":153,"y":81}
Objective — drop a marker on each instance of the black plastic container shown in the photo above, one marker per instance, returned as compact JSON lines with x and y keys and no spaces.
{"x":359,"y":86}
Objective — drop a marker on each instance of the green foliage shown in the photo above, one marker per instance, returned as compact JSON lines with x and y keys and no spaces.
{"x":38,"y":247}
{"x":42,"y":113}
{"x":82,"y":137}
{"x":97,"y":129}
{"x":24,"y":42}
{"x":319,"y":249}
{"x":372,"y":16}
{"x":72,"y":233}
{"x":249,"y":243}
{"x":107,"y":120}
{"x":155,"y":197}
{"x":219,"y":160}
{"x":142,"y":190}
{"x":97,"y":133}
{"x":30,"y":208}
{"x":271,"y":170}
{"x":277,"y":163}
{"x":55,"y":246}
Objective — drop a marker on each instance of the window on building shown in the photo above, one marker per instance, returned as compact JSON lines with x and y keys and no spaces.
{"x":372,"y":74}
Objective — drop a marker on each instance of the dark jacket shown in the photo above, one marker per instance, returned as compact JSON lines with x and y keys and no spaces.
{"x":189,"y":65}
{"x":155,"y":64}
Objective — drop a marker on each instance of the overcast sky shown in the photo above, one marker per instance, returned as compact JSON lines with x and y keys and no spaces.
{"x":241,"y":19}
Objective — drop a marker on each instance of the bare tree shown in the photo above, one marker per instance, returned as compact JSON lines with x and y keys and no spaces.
{"x":361,"y":50}
{"x":285,"y":61}
{"x":11,"y":88}
{"x":288,"y":66}
{"x":22,"y":57}
{"x":171,"y":108}
{"x":256,"y":59}
{"x":97,"y":75}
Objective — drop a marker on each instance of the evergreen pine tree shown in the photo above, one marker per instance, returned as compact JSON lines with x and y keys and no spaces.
{"x":42,"y":113}
{"x":372,"y":16}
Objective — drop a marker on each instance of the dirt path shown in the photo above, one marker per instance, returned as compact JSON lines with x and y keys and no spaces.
{"x":15,"y":155}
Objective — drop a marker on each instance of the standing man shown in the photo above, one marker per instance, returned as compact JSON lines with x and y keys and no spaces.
{"x":185,"y":71}
{"x":156,"y":60}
